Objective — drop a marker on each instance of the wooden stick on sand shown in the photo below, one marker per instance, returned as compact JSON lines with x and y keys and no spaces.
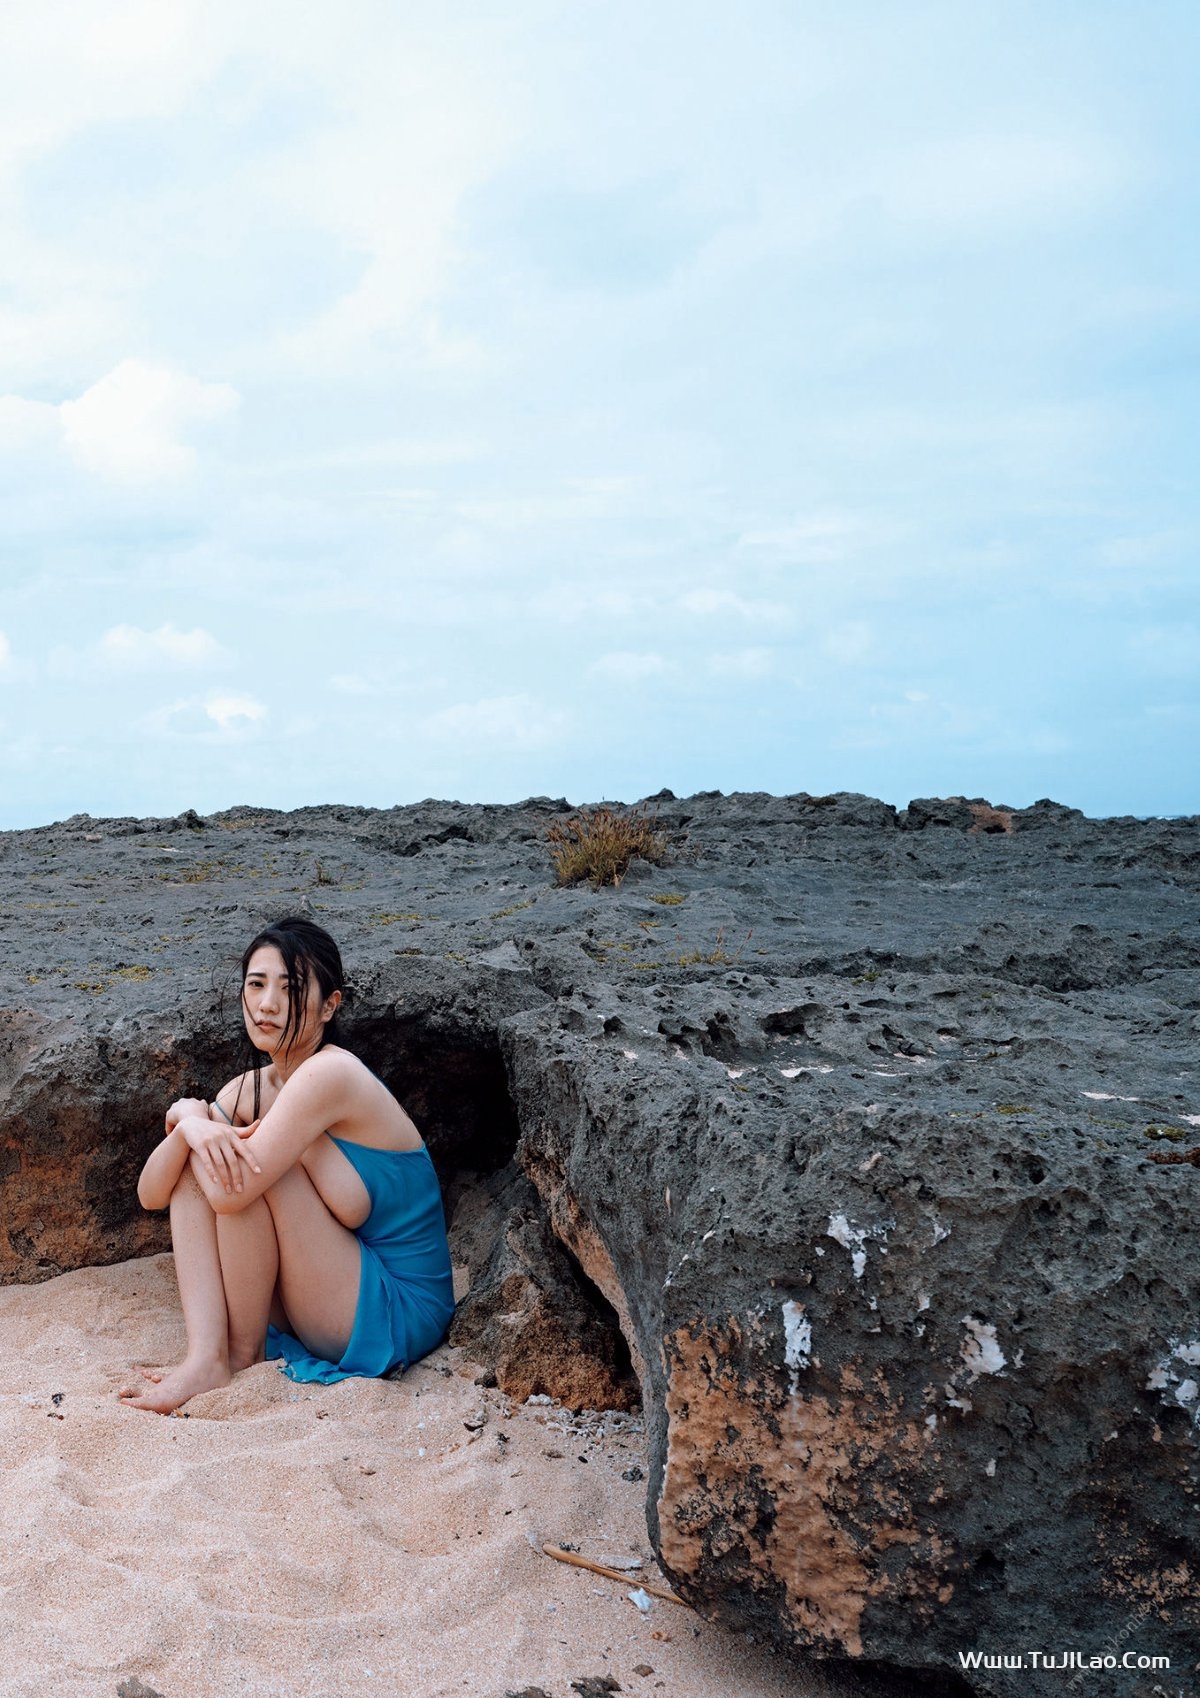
{"x":609,"y":1573}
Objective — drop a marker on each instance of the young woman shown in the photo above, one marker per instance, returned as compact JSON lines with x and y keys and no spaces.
{"x":306,"y":1216}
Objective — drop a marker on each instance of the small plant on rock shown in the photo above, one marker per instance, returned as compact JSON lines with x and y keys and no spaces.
{"x":599,"y":846}
{"x":718,"y":956}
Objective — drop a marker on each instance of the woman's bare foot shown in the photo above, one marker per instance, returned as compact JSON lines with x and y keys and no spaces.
{"x":174,"y":1388}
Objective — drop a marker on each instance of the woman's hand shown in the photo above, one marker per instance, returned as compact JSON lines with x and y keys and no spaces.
{"x":185,"y":1106}
{"x":222,"y":1149}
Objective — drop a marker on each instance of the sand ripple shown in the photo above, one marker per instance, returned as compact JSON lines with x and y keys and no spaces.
{"x":296,"y":1542}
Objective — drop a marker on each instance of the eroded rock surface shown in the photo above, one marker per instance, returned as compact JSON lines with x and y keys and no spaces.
{"x":851,"y":1116}
{"x":527,"y":1315}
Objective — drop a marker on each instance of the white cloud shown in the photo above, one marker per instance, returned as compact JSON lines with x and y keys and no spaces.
{"x":128,"y":648}
{"x":628,"y":668}
{"x":82,"y":62}
{"x":12,"y":667}
{"x":213,"y":719}
{"x":403,"y":451}
{"x":849,"y":643}
{"x":28,"y":425}
{"x":706,"y":602}
{"x":512,"y":723}
{"x":351,"y":684}
{"x":917,"y":717}
{"x":571,"y":501}
{"x":129,"y":425}
{"x":567,"y":602}
{"x":375,"y":681}
{"x":1144,"y":550}
{"x":805,"y":542}
{"x":987,"y":180}
{"x":385,"y":173}
{"x":66,"y":69}
{"x":745,"y":664}
{"x":1167,"y":650}
{"x":234,"y":713}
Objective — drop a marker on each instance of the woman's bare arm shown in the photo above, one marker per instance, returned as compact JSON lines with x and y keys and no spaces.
{"x":319,"y":1097}
{"x":167,"y":1161}
{"x":162,"y":1171}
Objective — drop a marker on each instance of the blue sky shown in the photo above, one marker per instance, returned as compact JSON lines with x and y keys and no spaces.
{"x":484,"y":401}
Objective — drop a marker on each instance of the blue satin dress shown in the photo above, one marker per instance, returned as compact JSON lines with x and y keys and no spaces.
{"x":406,"y":1290}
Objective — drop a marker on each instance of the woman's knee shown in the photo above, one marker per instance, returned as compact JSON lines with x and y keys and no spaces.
{"x":188,"y":1192}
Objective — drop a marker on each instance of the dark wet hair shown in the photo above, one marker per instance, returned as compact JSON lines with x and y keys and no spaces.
{"x":305,"y":947}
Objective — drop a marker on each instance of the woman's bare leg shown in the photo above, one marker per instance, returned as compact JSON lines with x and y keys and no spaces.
{"x":202,"y":1295}
{"x":226,"y":1266}
{"x":249,"y":1257}
{"x":234,"y":1271}
{"x":319,"y":1265}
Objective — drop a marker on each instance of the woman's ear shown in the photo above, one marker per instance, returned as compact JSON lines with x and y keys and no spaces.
{"x":332,"y":1003}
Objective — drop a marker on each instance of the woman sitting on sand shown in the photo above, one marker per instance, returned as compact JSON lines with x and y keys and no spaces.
{"x":306,"y":1217}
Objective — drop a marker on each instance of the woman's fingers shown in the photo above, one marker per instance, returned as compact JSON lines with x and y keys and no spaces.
{"x":231,"y":1153}
{"x":247,"y":1155}
{"x":226,"y":1151}
{"x":185,"y":1106}
{"x":222,"y":1151}
{"x":215,"y":1159}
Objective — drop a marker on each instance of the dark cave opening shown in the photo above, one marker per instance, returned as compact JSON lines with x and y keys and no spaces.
{"x":606,"y":1318}
{"x":452,"y":1081}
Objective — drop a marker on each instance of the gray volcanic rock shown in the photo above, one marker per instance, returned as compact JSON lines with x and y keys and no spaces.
{"x":861,"y":1121}
{"x":921,"y":1376}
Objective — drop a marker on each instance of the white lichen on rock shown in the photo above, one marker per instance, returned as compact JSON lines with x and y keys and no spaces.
{"x":853,"y":1238}
{"x":1167,"y":1377}
{"x":850,"y":1238}
{"x":980,"y":1351}
{"x":797,"y":1340}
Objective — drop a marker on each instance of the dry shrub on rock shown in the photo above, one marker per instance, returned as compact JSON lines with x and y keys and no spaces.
{"x":990,"y":820}
{"x":600,"y":845}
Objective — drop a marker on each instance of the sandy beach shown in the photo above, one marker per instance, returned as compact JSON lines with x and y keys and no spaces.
{"x":284,"y":1541}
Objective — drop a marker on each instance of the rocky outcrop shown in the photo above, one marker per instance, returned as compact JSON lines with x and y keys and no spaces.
{"x":540,"y":1329}
{"x":919,"y":1375}
{"x":864,"y":1125}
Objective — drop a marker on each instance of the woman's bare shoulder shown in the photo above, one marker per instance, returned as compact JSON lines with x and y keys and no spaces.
{"x":235,"y":1099}
{"x":332,"y":1063}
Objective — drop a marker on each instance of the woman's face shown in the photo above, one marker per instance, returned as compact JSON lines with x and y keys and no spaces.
{"x":265,"y":1005}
